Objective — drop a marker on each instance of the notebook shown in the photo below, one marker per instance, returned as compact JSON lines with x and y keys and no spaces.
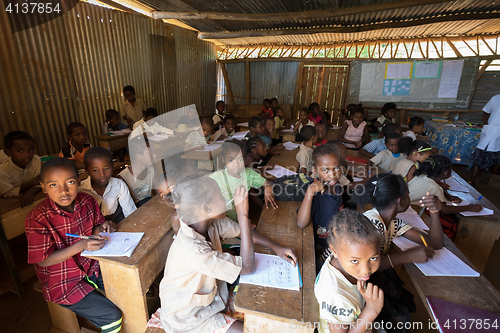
{"x":272,"y":271}
{"x":482,"y":212}
{"x":120,"y":244}
{"x":457,"y":318}
{"x":279,"y":171}
{"x":411,"y":217}
{"x":454,"y":185}
{"x":290,"y":145}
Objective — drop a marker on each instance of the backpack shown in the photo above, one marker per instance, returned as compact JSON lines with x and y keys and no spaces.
{"x":291,"y":188}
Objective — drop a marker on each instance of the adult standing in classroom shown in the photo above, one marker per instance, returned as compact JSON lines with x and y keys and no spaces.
{"x":487,"y":153}
{"x":133,"y":108}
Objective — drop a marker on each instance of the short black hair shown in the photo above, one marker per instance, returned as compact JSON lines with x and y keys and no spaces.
{"x":253,"y":141}
{"x":265,"y":100}
{"x":312,"y":106}
{"x":207,"y":121}
{"x":434,"y":166}
{"x":110,"y":113}
{"x":416,"y":121}
{"x":265,"y":119}
{"x":305,"y":110}
{"x":8,"y":140}
{"x":227,"y":117}
{"x":406,"y":145}
{"x":74,"y":125}
{"x":151,"y":112}
{"x":307,"y":132}
{"x":272,"y":100}
{"x":218,"y":102}
{"x":389,"y":128}
{"x":58,"y":162}
{"x":353,"y":227}
{"x":357,"y":109}
{"x":387,"y":107}
{"x":95,"y":153}
{"x":254,"y":121}
{"x":322,"y":151}
{"x":276,"y":109}
{"x":234,"y":145}
{"x":382,"y":190}
{"x":129,"y":88}
{"x":392,"y":135}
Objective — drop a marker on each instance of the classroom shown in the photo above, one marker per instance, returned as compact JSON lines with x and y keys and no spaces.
{"x":249,"y":166}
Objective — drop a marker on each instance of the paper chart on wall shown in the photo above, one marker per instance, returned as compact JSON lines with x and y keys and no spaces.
{"x":426,"y":69}
{"x":272,"y":271}
{"x":450,"y":78}
{"x":398,"y":70}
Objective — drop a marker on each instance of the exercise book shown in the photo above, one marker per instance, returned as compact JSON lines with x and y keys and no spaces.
{"x":272,"y":271}
{"x":119,"y":244}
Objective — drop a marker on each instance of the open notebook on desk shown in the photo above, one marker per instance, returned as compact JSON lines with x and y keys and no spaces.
{"x":119,"y":244}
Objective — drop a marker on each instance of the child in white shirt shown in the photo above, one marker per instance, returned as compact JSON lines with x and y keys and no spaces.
{"x":386,"y":160}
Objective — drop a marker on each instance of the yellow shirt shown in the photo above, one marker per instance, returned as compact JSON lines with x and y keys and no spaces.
{"x":134,"y":112}
{"x":339,"y":300}
{"x":422,"y":184}
{"x":402,"y":167}
{"x":385,"y":160}
{"x":278,"y":122}
{"x":193,"y":290}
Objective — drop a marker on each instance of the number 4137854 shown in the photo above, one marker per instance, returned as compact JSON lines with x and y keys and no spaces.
{"x":471,"y":324}
{"x":33,"y":8}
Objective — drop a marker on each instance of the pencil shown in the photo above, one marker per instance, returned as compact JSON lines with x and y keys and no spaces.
{"x":82,"y":237}
{"x":423,"y":240}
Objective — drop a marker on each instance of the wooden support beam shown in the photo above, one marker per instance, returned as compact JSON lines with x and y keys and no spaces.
{"x":491,"y":50}
{"x":483,"y":69}
{"x":453,"y":47}
{"x":228,"y":84}
{"x":306,"y":15}
{"x":353,"y":29}
{"x":247,"y":76}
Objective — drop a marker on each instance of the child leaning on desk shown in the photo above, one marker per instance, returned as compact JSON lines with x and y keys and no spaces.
{"x":193,"y":291}
{"x":235,"y":173}
{"x":199,"y":138}
{"x":389,"y":196}
{"x":66,"y":277}
{"x":347,"y":301}
{"x":78,"y":144}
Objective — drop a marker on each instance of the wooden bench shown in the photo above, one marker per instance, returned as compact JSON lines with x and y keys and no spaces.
{"x":112,"y":142}
{"x":127,"y":280}
{"x":154,"y":330}
{"x":63,"y":320}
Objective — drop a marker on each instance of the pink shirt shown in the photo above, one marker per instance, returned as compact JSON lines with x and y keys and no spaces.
{"x":316,"y":119}
{"x":354,"y":134}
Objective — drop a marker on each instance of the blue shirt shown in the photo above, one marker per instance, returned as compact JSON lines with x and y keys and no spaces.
{"x":376,"y":146}
{"x":324,"y":207}
{"x":267,"y":141}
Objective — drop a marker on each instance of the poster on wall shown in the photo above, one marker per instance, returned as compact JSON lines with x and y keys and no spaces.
{"x":427,"y":69}
{"x":450,"y":78}
{"x":396,"y":87}
{"x":398,"y":70}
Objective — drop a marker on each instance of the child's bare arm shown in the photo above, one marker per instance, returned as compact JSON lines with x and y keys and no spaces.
{"x":59,"y":256}
{"x":304,"y":214}
{"x":287,"y":254}
{"x":247,"y":253}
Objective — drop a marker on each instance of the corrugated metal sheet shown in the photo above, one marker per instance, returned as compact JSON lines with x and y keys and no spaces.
{"x":487,"y":86}
{"x":74,"y":68}
{"x":268,"y":79}
{"x":286,"y":6}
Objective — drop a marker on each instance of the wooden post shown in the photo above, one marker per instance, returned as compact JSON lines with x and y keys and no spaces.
{"x":228,"y":84}
{"x":247,"y":73}
{"x":298,"y":86}
{"x":483,"y":69}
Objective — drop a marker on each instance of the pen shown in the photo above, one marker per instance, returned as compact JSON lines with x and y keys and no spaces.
{"x":423,"y":240}
{"x":82,"y":237}
{"x":229,"y":202}
{"x":480,"y":197}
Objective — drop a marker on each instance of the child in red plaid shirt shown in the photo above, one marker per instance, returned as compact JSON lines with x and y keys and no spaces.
{"x":66,"y":277}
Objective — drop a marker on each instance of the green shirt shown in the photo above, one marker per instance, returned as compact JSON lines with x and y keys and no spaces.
{"x":227,"y":184}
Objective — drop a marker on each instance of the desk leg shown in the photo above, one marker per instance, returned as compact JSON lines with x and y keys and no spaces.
{"x":123,"y":288}
{"x":475,"y":238}
{"x":265,"y":325}
{"x":11,"y":265}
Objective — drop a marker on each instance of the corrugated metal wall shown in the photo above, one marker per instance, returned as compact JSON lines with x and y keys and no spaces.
{"x":268,"y":79}
{"x":74,"y":68}
{"x":487,"y":86}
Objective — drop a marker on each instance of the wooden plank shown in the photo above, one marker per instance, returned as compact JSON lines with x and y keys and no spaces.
{"x":228,"y":84}
{"x":483,"y":69}
{"x":112,"y":142}
{"x":11,"y":265}
{"x":247,"y":75}
{"x":63,"y":320}
{"x":298,"y":86}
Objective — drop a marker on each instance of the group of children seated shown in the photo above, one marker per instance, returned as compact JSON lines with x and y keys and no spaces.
{"x":356,"y":283}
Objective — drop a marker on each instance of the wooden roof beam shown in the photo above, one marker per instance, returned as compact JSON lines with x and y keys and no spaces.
{"x":306,"y":15}
{"x":367,"y":27}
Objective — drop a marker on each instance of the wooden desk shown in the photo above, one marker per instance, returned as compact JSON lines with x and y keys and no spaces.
{"x":287,"y":160}
{"x":276,"y":310}
{"x":477,"y":292}
{"x":12,"y":218}
{"x":112,"y":142}
{"x":287,"y":136}
{"x":213,"y":156}
{"x":127,"y":280}
{"x":476,"y":234}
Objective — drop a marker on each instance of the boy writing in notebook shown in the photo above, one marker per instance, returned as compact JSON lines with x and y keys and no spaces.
{"x":20,"y":175}
{"x":66,"y":277}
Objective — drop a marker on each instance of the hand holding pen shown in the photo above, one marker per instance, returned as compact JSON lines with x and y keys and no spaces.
{"x":90,"y":243}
